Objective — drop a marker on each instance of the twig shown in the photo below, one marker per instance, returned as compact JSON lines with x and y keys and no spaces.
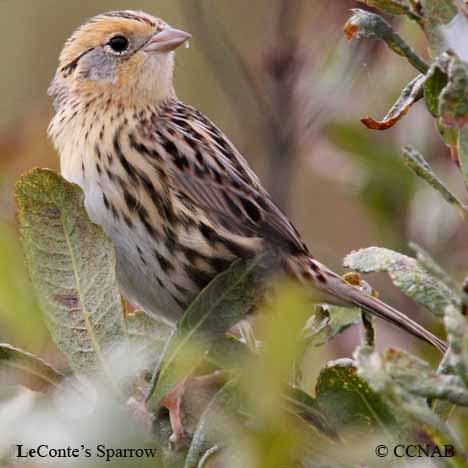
{"x":278,"y":107}
{"x":283,"y":67}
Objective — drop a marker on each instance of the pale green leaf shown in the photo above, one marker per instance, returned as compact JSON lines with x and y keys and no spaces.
{"x":72,"y":266}
{"x":407,"y":275}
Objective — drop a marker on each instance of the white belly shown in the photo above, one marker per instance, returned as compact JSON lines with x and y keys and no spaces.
{"x":141,"y":278}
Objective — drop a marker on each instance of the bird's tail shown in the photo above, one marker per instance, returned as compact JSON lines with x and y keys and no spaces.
{"x":337,"y":291}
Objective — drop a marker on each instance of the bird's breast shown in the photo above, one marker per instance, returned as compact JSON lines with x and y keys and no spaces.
{"x":167,"y":251}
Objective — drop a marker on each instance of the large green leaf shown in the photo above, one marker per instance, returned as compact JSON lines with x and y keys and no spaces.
{"x":406,"y":273}
{"x":222,"y":304}
{"x":72,"y":266}
{"x":27,"y":369}
{"x":347,"y":400}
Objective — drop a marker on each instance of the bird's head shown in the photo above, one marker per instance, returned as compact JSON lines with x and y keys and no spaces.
{"x":124,"y":54}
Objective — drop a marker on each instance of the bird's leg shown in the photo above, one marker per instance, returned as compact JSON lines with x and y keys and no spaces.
{"x":173,"y":402}
{"x":174,"y":399}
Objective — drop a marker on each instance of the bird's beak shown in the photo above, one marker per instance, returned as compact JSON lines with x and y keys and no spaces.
{"x":166,"y":40}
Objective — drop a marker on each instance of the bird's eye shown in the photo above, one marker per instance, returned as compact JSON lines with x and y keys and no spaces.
{"x":119,"y":44}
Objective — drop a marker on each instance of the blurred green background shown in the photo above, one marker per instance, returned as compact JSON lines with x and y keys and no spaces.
{"x":344,"y":186}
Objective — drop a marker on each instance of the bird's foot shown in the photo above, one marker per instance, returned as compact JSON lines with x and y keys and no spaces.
{"x":174,"y":399}
{"x":173,"y":403}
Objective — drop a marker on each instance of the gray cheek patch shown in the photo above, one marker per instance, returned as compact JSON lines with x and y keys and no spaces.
{"x":99,"y":66}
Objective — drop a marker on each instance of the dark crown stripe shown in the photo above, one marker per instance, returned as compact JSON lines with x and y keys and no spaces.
{"x":129,"y":15}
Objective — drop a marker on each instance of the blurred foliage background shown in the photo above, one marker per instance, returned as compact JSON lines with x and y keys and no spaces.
{"x":252,"y":65}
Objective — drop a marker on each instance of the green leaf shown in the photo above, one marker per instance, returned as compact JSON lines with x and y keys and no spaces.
{"x":416,"y":162}
{"x":453,"y":100}
{"x":393,"y":7}
{"x":411,"y":94}
{"x":347,"y":400}
{"x":328,"y":322}
{"x":407,"y":275}
{"x":436,"y":80}
{"x":222,"y":304}
{"x":72,"y":266}
{"x":366,"y":24}
{"x":28,"y":369}
{"x":417,"y":377}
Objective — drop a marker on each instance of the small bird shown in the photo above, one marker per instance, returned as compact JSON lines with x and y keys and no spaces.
{"x":178,"y":200}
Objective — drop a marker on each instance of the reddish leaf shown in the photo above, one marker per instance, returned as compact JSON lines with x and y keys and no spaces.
{"x":412,"y":93}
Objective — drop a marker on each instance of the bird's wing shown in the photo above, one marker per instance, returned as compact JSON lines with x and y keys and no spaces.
{"x":211,"y":173}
